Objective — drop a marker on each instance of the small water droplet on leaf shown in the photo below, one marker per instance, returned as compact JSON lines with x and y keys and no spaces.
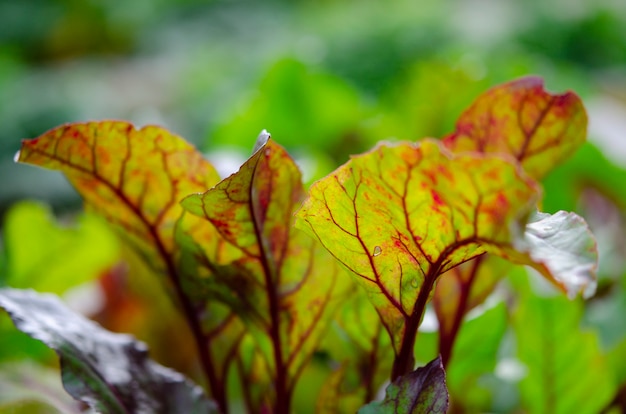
{"x":415,"y":283}
{"x":377,"y":251}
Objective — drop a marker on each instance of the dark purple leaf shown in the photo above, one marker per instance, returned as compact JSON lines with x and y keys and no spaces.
{"x":110,"y":372}
{"x":423,"y":391}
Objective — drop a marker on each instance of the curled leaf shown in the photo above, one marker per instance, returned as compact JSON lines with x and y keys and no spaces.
{"x":521,"y":119}
{"x":110,"y":372}
{"x":423,"y":391}
{"x":562,"y":248}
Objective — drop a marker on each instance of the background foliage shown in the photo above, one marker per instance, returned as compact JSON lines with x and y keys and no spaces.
{"x":327,"y":80}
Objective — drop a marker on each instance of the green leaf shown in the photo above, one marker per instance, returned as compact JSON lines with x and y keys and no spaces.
{"x":359,"y":342}
{"x":475,"y":355}
{"x":110,"y":372}
{"x":279,"y":280}
{"x":37,"y":249}
{"x":311,"y":109}
{"x":401,"y":215}
{"x":521,"y":119}
{"x":420,"y":392}
{"x":566,"y":373}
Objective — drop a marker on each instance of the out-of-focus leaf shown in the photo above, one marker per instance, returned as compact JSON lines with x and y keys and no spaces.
{"x":460,"y":290}
{"x":201,"y":247}
{"x":279,"y":280}
{"x":255,"y":377}
{"x":475,"y":282}
{"x":359,"y":342}
{"x":399,"y":216}
{"x":566,"y":373}
{"x":475,"y":355}
{"x":312,"y":110}
{"x":521,"y":119}
{"x":134,"y":178}
{"x":420,"y":392}
{"x":45,"y":256}
{"x":443,"y":89}
{"x":562,"y":248}
{"x":29,"y":388}
{"x":110,"y":372}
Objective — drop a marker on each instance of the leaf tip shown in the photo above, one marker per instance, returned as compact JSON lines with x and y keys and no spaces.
{"x":261,"y":140}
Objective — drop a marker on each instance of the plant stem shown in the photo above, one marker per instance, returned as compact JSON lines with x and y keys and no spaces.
{"x":405,"y":360}
{"x":217,"y":388}
{"x":446,"y":339}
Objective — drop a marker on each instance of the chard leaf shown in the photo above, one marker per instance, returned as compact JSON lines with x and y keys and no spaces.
{"x":401,"y":215}
{"x":134,"y":178}
{"x":522,"y":120}
{"x":279,"y":280}
{"x":110,"y":372}
{"x":422,"y":391}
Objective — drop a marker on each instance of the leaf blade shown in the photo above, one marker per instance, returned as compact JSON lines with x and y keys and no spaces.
{"x":562,"y":248}
{"x":423,"y":391}
{"x":400,"y":215}
{"x":132,"y":177}
{"x":281,"y":282}
{"x":521,"y":119}
{"x":110,"y":372}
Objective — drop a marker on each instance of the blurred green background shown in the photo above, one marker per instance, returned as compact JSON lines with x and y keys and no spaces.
{"x":326,"y":78}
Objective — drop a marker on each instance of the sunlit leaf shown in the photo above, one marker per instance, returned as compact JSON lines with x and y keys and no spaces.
{"x":521,"y":119}
{"x":110,"y":372}
{"x":399,"y":216}
{"x":420,"y":392}
{"x":280,"y":281}
{"x":134,"y":178}
{"x":566,"y":373}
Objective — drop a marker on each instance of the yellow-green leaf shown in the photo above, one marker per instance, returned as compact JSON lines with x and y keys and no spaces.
{"x":133,"y":177}
{"x":283,"y":284}
{"x":400,"y":215}
{"x":522,"y":120}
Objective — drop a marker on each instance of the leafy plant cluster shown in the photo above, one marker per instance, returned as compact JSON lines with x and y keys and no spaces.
{"x":273,"y":281}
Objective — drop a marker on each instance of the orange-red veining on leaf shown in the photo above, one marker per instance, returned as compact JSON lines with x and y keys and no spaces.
{"x":524,"y":121}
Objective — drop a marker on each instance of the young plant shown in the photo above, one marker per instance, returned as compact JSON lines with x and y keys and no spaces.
{"x":410,"y":221}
